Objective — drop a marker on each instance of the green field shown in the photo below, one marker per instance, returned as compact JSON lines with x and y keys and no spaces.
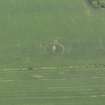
{"x":30,"y":75}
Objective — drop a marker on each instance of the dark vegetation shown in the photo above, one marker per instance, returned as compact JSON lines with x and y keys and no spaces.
{"x":97,"y":3}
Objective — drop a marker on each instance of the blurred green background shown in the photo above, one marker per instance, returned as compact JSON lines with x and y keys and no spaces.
{"x":26,"y":27}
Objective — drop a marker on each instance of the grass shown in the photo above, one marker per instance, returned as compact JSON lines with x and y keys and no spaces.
{"x":29,"y":75}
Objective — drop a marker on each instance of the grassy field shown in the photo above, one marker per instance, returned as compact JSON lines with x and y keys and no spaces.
{"x":29,"y":75}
